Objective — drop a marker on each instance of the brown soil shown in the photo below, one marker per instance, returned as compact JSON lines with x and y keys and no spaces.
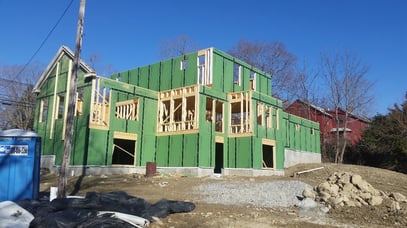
{"x":177,"y":187}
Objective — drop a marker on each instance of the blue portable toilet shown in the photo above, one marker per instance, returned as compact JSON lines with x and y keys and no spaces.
{"x":20,"y":154}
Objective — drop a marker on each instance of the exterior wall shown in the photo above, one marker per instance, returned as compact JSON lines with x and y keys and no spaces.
{"x":162,"y":76}
{"x":204,"y":147}
{"x":51,"y":130}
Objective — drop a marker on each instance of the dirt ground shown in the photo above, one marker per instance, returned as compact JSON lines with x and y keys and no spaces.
{"x":178,"y":187}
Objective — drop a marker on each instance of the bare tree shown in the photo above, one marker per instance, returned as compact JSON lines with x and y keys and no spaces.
{"x":306,"y":86}
{"x":272,"y":58}
{"x":179,"y":45}
{"x":95,"y":59}
{"x":17,"y":101}
{"x":348,"y":90}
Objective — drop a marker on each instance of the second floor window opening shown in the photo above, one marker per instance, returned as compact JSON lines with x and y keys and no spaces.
{"x":204,"y":67}
{"x":61,"y":106}
{"x":214,"y":113}
{"x":79,"y":102}
{"x":240,"y":113}
{"x":43,"y":110}
{"x":252,"y":80}
{"x":184,"y":64}
{"x":127,"y":109}
{"x":99,"y":110}
{"x":176,"y":110}
{"x":236,"y":73}
{"x":219,"y":116}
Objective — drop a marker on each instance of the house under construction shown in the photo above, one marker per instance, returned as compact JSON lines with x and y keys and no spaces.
{"x":201,"y":113}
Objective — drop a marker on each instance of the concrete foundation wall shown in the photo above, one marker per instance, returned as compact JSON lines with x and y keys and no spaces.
{"x":47,"y":162}
{"x":293,"y":157}
{"x":252,"y":172}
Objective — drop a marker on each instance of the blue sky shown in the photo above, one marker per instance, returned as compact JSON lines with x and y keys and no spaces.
{"x":128,"y":33}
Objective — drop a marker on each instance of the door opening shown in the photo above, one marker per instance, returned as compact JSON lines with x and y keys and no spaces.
{"x":268,"y":156}
{"x":124,"y":152}
{"x":218,"y":158}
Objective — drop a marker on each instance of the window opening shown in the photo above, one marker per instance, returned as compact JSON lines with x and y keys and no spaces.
{"x":236,"y":73}
{"x":43,"y":110}
{"x":99,"y":110}
{"x":268,"y":156}
{"x":184,"y":64}
{"x":252,"y":80}
{"x":176,"y":111}
{"x":61,"y":106}
{"x":260,"y":110}
{"x":190,"y":111}
{"x":124,"y":152}
{"x":209,"y":108}
{"x":79,"y":102}
{"x":219,"y":116}
{"x":269,"y":117}
{"x":177,"y":122}
{"x":240,"y":113}
{"x":127,"y":109}
{"x":204,"y":67}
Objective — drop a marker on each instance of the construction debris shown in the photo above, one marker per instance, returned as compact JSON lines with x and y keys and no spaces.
{"x":307,"y":171}
{"x":348,"y":189}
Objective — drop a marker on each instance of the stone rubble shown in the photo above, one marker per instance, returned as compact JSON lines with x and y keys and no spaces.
{"x":348,"y":189}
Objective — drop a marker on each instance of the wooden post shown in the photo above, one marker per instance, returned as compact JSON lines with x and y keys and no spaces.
{"x":62,"y":181}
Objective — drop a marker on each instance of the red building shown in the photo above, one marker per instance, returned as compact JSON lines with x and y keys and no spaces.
{"x":327,"y":121}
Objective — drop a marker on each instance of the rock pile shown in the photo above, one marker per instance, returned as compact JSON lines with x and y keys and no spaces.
{"x":348,"y":189}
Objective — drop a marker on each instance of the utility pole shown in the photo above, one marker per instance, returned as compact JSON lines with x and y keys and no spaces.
{"x":62,"y":181}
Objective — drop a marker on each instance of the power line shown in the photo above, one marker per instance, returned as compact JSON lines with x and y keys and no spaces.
{"x":46,"y":38}
{"x":13,"y":81}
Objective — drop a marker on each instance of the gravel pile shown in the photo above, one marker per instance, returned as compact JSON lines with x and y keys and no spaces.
{"x":274,"y":194}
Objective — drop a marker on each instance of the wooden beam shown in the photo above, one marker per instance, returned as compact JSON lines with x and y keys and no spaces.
{"x":54,"y":103}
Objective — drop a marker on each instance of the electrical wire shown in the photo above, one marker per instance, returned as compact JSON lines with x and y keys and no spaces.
{"x":46,"y":38}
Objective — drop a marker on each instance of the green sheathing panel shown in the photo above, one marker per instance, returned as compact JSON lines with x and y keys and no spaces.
{"x":177,"y":150}
{"x":231,"y":153}
{"x":190,"y":150}
{"x":227,"y":74}
{"x":177,"y":75}
{"x":206,"y":134}
{"x":99,"y":152}
{"x":163,"y":75}
{"x":263,"y":84}
{"x":219,"y":80}
{"x":190,"y":74}
{"x":223,"y":65}
{"x":244,"y":152}
{"x":299,"y":134}
{"x":144,"y":78}
{"x":257,"y":153}
{"x":175,"y":155}
{"x":163,"y":145}
{"x":279,"y":154}
{"x":154,"y":77}
{"x":79,"y":152}
{"x":134,"y":77}
{"x":206,"y":146}
{"x":148,"y":121}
